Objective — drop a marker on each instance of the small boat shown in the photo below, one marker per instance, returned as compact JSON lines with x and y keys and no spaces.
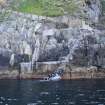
{"x":55,"y":77}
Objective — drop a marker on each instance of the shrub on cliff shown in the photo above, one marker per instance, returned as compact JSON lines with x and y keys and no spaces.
{"x":47,"y":7}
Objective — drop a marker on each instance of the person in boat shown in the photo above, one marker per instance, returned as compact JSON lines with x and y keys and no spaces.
{"x":49,"y":76}
{"x":52,"y":75}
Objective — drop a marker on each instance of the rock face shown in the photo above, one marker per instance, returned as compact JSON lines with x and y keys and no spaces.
{"x":93,"y":10}
{"x":64,"y":38}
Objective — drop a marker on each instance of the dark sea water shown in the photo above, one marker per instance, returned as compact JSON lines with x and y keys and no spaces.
{"x":31,"y":92}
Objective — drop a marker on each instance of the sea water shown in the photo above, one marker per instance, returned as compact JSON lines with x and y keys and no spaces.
{"x":34,"y":92}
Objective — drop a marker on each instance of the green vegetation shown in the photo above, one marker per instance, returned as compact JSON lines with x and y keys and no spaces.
{"x":46,"y":7}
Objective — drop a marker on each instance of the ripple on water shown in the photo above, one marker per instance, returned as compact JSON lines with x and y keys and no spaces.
{"x":2,"y":98}
{"x":55,"y":103}
{"x":57,"y":98}
{"x":1,"y":102}
{"x":71,"y":103}
{"x":100,"y":90}
{"x":39,"y":101}
{"x":81,"y":95}
{"x":32,"y":104}
{"x":44,"y":93}
{"x":94,"y":102}
{"x":84,"y":100}
{"x":10,"y":99}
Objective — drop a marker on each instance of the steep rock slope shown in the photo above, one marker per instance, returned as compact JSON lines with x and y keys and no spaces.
{"x":66,"y":38}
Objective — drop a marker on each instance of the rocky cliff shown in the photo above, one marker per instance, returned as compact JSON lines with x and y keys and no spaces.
{"x":75,"y":39}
